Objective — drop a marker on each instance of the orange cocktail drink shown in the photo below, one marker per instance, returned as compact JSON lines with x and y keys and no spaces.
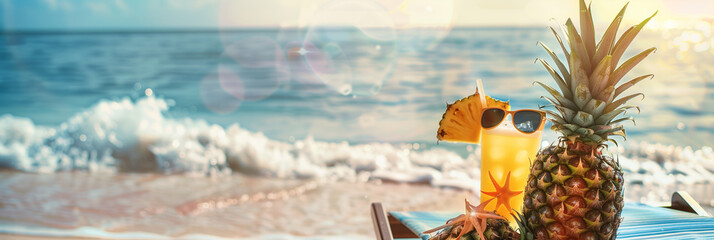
{"x":509,"y":140}
{"x":506,"y":154}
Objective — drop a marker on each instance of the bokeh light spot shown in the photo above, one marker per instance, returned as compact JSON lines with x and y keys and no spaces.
{"x":255,"y":52}
{"x":260,"y":66}
{"x":422,"y":24}
{"x":345,"y":89}
{"x":213,"y":94}
{"x":351,"y":46}
{"x":366,"y":120}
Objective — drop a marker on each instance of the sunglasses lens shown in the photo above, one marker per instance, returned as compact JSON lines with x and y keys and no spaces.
{"x":527,"y":121}
{"x":492,"y":117}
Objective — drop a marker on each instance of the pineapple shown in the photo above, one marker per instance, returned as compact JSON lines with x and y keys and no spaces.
{"x":462,"y":120}
{"x":574,"y":191}
{"x":495,"y":229}
{"x":477,"y":224}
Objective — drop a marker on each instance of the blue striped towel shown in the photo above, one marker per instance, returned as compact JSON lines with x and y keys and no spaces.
{"x":640,"y":221}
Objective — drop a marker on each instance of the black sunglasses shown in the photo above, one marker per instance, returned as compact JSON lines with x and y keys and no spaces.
{"x":525,"y":120}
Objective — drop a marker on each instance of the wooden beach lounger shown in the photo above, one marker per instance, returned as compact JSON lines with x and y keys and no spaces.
{"x":684,"y":219}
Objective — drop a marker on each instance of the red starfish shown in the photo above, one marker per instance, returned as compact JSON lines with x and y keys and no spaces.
{"x":503,"y":194}
{"x":474,"y":218}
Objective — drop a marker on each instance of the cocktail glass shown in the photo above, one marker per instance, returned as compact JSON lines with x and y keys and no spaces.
{"x":506,"y":154}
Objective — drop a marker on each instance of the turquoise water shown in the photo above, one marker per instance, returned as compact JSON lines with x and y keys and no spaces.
{"x":258,"y":79}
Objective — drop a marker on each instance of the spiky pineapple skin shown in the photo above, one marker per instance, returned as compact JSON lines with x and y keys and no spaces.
{"x":496,"y":229}
{"x":573,"y":192}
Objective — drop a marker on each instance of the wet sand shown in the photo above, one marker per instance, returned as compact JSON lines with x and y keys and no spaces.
{"x":231,"y":206}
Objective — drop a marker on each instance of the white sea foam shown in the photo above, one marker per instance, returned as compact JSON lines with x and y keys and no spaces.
{"x":123,"y":135}
{"x":136,"y":136}
{"x":654,"y":171}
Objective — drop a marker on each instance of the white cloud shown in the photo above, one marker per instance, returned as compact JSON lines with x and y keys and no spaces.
{"x":98,"y":7}
{"x":191,"y":4}
{"x":121,"y":5}
{"x":6,"y":5}
{"x":51,"y":3}
{"x":61,"y":5}
{"x":7,"y":14}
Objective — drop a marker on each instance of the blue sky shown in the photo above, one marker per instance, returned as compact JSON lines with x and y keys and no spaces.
{"x":110,"y":14}
{"x":212,"y":14}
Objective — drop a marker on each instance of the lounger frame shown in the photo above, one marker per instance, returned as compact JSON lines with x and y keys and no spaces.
{"x":386,"y":227}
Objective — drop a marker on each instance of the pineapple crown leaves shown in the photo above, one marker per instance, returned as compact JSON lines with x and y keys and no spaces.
{"x":588,"y":94}
{"x":523,"y":229}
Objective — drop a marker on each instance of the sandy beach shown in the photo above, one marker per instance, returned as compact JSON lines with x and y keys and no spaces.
{"x":231,"y":206}
{"x":66,"y":205}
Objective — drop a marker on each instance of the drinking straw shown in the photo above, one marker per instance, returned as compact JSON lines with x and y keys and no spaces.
{"x":481,"y":94}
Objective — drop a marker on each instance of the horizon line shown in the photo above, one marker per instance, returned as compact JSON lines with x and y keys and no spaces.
{"x":210,"y":30}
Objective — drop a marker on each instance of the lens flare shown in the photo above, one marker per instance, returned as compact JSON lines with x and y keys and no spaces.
{"x":214,"y":94}
{"x":351,"y":47}
{"x":259,"y":64}
{"x":303,"y":79}
{"x":255,"y":52}
{"x":422,"y":24}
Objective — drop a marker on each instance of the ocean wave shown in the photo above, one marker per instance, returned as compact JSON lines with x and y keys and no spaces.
{"x":136,"y":136}
{"x":654,"y":171}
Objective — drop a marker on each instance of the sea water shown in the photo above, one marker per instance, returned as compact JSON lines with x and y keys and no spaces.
{"x":288,"y":133}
